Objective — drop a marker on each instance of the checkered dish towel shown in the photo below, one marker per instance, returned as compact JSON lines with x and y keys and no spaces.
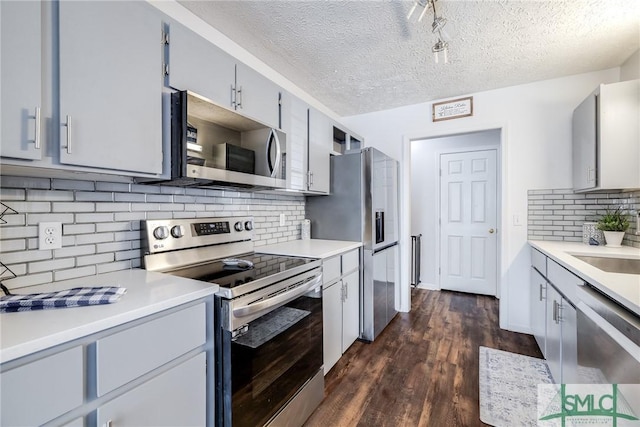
{"x":76,"y":297}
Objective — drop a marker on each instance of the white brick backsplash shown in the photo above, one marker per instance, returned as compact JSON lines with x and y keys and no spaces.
{"x":7,"y":233}
{"x":84,"y":239}
{"x":95,"y":259}
{"x":554,"y":218}
{"x":12,"y":245}
{"x":78,"y":228}
{"x":70,"y":184}
{"x":74,"y":272}
{"x":49,"y":195}
{"x":93,"y":196}
{"x":56,"y":264}
{"x":94,"y":217}
{"x":101,"y":222}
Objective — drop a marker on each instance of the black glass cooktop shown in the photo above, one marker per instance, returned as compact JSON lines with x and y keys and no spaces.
{"x":226,"y":276}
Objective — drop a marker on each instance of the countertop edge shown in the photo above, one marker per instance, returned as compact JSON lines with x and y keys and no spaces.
{"x":585,"y":272}
{"x":312,"y":248}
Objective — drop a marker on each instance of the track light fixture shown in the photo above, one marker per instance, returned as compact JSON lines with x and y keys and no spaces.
{"x":441,"y":46}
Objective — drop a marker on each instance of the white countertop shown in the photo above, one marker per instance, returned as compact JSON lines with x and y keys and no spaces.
{"x":24,"y":333}
{"x":624,"y":288}
{"x":312,"y":248}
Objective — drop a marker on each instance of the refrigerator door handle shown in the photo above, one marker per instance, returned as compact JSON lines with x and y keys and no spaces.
{"x":379,"y":226}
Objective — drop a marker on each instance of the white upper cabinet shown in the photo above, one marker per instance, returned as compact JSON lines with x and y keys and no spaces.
{"x":256,"y":96}
{"x":320,"y":146}
{"x":199,"y":66}
{"x":111,"y":79}
{"x":606,"y":138}
{"x":21,"y":79}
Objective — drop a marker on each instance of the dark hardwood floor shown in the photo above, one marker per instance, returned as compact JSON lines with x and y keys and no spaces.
{"x":423,"y":369}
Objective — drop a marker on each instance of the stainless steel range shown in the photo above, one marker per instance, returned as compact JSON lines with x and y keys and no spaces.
{"x":268,"y":317}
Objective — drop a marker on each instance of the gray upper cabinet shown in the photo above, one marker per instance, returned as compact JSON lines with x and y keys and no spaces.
{"x":256,"y":96}
{"x":320,"y":145}
{"x":584,"y":144}
{"x":110,"y":59}
{"x":295,"y":118}
{"x":199,"y":66}
{"x":606,"y":136}
{"x":21,"y":79}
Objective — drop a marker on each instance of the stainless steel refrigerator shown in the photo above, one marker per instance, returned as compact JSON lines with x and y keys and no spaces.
{"x":363,"y":207}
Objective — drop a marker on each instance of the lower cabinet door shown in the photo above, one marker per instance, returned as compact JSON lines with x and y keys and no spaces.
{"x":554,"y":334}
{"x":538,"y":309}
{"x":350,"y":309}
{"x":174,"y":398}
{"x":331,"y":324}
{"x":569,"y":351}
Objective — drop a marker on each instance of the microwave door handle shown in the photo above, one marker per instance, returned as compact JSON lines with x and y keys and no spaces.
{"x":269,"y":143}
{"x":273,"y":168}
{"x":278,"y":154}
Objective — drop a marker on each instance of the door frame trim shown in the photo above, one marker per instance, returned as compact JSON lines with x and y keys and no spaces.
{"x":405,"y":208}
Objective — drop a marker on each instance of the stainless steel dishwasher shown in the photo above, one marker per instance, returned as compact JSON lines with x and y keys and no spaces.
{"x":608,"y":344}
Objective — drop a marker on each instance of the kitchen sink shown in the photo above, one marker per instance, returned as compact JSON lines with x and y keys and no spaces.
{"x":613,"y":265}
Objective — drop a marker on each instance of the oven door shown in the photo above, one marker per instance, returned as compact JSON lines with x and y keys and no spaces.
{"x":263,"y":364}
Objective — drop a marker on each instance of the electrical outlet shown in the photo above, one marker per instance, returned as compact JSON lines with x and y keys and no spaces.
{"x":49,"y":235}
{"x":283,"y":219}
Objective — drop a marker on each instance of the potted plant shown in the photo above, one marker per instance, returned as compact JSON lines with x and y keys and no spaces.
{"x":613,"y":224}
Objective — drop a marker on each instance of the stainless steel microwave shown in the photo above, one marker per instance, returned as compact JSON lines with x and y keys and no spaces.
{"x":214,"y":146}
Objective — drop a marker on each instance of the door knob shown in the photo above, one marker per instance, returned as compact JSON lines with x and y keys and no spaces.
{"x":491,"y":231}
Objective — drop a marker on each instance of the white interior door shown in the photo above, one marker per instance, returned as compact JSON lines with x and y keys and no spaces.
{"x":468,"y":220}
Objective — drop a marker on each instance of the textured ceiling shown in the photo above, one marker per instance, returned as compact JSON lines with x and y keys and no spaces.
{"x":362,"y":56}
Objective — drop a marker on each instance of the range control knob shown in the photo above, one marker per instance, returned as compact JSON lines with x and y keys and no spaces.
{"x":177,"y":231}
{"x":248,"y":226}
{"x":161,"y":232}
{"x":238,"y":226}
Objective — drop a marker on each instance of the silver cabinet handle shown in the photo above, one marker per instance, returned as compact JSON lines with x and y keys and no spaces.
{"x":554,"y":312}
{"x":37,"y":130}
{"x":68,"y":125}
{"x":540,"y":291}
{"x":239,"y":97}
{"x":109,"y":424}
{"x":346,"y":290}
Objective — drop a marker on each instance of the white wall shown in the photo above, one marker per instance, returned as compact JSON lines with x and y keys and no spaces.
{"x":535,"y":120}
{"x":425,"y":165}
{"x":630,"y":70}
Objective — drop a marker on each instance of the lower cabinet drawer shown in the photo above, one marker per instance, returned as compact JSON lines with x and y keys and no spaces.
{"x":330,"y":269}
{"x":131,"y":353}
{"x":350,"y":261}
{"x":564,"y":280}
{"x":39,"y":391}
{"x":174,"y":398}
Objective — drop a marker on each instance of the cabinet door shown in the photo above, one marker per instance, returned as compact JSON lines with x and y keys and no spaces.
{"x":20,"y":79}
{"x":111,"y":85}
{"x":199,"y":66}
{"x":538,"y":308}
{"x":332,"y":324}
{"x":553,"y":334}
{"x":295,"y":118}
{"x":256,"y":96}
{"x":569,"y":343}
{"x":174,"y":398}
{"x":584,"y":144}
{"x":350,"y":309}
{"x":320,"y":143}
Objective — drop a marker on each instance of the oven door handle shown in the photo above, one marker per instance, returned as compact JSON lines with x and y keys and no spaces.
{"x":278,"y":300}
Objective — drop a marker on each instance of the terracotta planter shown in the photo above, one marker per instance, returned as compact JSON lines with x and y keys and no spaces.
{"x":613,"y":238}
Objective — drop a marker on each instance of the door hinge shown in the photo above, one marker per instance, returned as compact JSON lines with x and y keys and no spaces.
{"x":440,"y":172}
{"x":439,"y":271}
